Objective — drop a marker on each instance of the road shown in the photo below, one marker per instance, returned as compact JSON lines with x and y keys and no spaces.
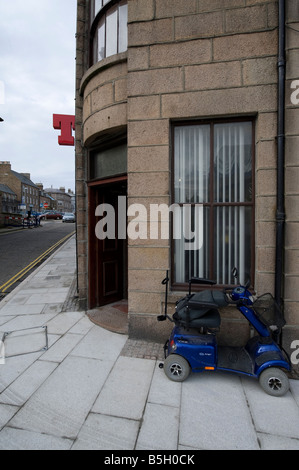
{"x":23,"y":250}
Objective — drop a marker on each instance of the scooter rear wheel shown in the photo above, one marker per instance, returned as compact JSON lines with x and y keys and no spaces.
{"x":274,"y":381}
{"x":176,"y":368}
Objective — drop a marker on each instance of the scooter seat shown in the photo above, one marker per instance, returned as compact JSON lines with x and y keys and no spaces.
{"x":189,"y":318}
{"x":202,"y":302}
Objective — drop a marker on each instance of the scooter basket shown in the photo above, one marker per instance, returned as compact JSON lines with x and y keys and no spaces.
{"x":268,"y":311}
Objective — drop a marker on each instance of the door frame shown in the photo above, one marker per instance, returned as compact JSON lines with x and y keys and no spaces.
{"x":93,"y":245}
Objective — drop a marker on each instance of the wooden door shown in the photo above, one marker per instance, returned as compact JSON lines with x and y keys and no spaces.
{"x":108,"y":257}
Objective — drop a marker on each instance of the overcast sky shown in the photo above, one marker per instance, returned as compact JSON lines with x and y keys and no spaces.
{"x":37,"y":73}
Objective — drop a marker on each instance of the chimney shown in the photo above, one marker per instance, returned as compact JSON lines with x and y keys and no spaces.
{"x":5,"y":168}
{"x":62,"y":189}
{"x":27,"y":175}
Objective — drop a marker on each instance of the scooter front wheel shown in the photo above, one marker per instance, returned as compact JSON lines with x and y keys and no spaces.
{"x":274,"y":381}
{"x":176,"y":368}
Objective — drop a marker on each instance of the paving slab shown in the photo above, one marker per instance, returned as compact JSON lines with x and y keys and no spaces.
{"x":100,"y":344}
{"x":11,"y":309}
{"x":270,"y":442}
{"x":27,"y":383}
{"x":19,"y":439}
{"x":60,"y":350}
{"x":47,"y":298}
{"x":52,"y":309}
{"x":101,"y":432}
{"x":14,"y":367}
{"x":5,"y":319}
{"x":27,"y":321}
{"x":272,"y":415}
{"x":163,"y":391}
{"x":61,"y":323}
{"x":6,"y":413}
{"x":125,"y":391}
{"x":82,"y":326}
{"x":19,"y":298}
{"x":32,"y":290}
{"x":294,"y":387}
{"x":160,"y":428}
{"x":60,"y":406}
{"x":215,"y":415}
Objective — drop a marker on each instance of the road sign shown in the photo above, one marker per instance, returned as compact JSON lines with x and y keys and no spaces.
{"x":46,"y":205}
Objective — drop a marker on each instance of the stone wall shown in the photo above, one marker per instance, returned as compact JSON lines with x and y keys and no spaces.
{"x":104,"y":89}
{"x":195,"y":60}
{"x":81,"y":153}
{"x":291,"y":268}
{"x":190,"y":60}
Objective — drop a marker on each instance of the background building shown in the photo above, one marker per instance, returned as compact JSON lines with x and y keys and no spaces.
{"x":19,"y":194}
{"x":27,"y":193}
{"x":8,"y":200}
{"x":62,"y":200}
{"x":8,"y":203}
{"x":46,"y":201}
{"x":189,"y":101}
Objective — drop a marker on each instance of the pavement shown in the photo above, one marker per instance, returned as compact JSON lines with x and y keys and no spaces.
{"x":69,"y":384}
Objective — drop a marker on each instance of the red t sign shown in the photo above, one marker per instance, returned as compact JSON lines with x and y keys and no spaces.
{"x":66,"y":123}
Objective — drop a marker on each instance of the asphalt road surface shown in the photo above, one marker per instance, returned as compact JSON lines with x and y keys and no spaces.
{"x":23,"y":250}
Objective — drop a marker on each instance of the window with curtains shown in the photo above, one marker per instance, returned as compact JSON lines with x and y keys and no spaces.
{"x":109,"y":28}
{"x":213,"y":166}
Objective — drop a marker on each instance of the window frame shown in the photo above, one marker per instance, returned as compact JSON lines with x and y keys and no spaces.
{"x":212,"y":204}
{"x":95,"y":21}
{"x":115,"y":140}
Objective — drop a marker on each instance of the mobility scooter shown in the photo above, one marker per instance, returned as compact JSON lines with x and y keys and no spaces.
{"x":192,"y":345}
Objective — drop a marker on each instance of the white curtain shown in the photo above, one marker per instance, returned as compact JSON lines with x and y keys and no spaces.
{"x":231,"y":177}
{"x":191,"y":185}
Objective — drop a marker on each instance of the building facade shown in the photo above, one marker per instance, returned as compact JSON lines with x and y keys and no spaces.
{"x":27,"y":193}
{"x":46,"y":202}
{"x":187,"y":102}
{"x":61,"y":201}
{"x":9,"y":203}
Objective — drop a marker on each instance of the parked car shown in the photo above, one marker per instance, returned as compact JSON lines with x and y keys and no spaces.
{"x":51,"y":215}
{"x":68,"y":217}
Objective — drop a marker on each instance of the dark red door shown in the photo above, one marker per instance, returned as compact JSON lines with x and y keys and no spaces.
{"x":108,"y":257}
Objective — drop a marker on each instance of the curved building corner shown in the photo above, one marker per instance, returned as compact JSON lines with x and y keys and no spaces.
{"x":177,"y":103}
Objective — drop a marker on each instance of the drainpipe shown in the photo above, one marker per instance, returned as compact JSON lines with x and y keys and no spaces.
{"x":280,"y":214}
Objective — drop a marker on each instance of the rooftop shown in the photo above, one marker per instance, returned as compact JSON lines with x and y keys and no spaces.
{"x":6,"y":189}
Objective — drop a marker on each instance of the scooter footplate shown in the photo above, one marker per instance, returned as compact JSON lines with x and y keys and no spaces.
{"x":236,"y":359}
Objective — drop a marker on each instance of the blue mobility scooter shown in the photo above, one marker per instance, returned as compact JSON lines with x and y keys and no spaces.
{"x":192,"y":345}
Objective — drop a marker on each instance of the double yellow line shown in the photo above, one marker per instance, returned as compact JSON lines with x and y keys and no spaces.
{"x":31,"y":265}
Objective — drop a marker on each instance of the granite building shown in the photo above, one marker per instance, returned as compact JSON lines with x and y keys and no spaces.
{"x":188,"y":102}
